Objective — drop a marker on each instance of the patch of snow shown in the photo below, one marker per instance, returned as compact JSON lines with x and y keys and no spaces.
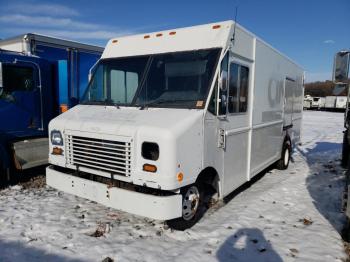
{"x":291,"y":215}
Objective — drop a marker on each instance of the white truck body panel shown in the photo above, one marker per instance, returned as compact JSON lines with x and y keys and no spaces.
{"x":155,"y":207}
{"x":188,"y":139}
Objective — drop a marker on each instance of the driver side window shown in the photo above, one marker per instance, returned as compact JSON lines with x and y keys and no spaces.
{"x":17,"y":78}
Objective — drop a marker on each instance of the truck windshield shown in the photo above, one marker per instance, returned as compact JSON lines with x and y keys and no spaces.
{"x":179,"y":80}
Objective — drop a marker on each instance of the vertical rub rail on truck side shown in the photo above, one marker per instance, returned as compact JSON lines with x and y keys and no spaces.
{"x":173,"y":118}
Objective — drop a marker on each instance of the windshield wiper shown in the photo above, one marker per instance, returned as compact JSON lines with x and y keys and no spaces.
{"x":163,"y":101}
{"x":106,"y":102}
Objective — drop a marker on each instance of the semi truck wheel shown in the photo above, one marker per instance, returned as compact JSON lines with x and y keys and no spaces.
{"x":193,"y":207}
{"x":345,"y":150}
{"x":283,"y":163}
{"x":3,"y":176}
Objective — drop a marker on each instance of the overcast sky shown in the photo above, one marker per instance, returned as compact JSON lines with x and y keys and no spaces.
{"x":308,"y":31}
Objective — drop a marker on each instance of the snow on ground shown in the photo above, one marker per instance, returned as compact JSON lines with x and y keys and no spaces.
{"x":291,"y":215}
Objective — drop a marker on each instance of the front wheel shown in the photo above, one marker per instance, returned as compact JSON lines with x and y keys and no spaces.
{"x":193,"y":207}
{"x":283,"y":163}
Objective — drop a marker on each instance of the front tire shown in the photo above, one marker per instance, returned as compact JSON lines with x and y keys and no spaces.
{"x":193,"y":207}
{"x":283,"y":163}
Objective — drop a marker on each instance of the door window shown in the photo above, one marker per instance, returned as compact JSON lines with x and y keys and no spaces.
{"x":238,"y":88}
{"x":125,"y":85}
{"x":16,"y":78}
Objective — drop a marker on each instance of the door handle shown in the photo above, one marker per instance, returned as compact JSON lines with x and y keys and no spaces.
{"x":221,"y":138}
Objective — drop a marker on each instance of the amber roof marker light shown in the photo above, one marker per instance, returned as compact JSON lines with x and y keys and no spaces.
{"x":216,"y":26}
{"x":114,"y":41}
{"x":172,"y":33}
{"x":159,"y":35}
{"x":146,"y":36}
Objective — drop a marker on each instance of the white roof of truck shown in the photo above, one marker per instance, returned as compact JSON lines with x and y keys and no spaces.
{"x":188,"y":38}
{"x":185,"y":39}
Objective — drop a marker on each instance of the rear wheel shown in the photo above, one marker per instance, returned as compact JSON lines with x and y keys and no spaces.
{"x":283,"y":163}
{"x":193,"y":207}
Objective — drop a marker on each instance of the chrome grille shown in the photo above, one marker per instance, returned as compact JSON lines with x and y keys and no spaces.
{"x":99,"y":154}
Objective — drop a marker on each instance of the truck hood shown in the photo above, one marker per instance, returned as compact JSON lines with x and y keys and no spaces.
{"x":124,"y":121}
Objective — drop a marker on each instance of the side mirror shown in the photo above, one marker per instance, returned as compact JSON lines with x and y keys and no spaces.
{"x":341,"y":67}
{"x":223,"y":80}
{"x":338,"y":89}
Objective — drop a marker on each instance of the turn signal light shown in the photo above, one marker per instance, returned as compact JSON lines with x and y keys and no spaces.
{"x":63,"y":108}
{"x":149,"y":168}
{"x":57,"y":151}
{"x":180,"y":177}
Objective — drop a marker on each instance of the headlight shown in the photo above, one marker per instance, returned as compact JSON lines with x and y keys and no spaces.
{"x":56,"y":138}
{"x":150,"y":151}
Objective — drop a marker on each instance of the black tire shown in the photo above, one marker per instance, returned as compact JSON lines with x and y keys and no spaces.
{"x":346,"y":231}
{"x":183,"y":223}
{"x":283,"y":163}
{"x":345,"y":151}
{"x":3,"y":176}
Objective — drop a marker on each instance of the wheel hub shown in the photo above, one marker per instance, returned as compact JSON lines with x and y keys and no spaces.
{"x":190,"y":203}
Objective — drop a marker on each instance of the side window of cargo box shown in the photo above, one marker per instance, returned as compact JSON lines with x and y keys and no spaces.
{"x":238,"y":88}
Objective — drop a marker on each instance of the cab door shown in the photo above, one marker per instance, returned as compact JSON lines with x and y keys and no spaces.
{"x":19,"y":97}
{"x":289,"y":90}
{"x":233,"y":122}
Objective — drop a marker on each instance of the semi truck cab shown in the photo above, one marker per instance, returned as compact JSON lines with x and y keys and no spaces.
{"x":25,"y":92}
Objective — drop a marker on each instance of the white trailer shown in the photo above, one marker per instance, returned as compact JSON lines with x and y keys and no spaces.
{"x":340,"y":102}
{"x":330,"y":102}
{"x":318,"y":102}
{"x":171,"y":118}
{"x":307,"y":102}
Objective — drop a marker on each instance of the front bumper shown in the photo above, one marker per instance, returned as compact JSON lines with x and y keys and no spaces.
{"x":151,"y":206}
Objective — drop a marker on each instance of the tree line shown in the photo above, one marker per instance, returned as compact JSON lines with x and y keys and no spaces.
{"x":321,"y":89}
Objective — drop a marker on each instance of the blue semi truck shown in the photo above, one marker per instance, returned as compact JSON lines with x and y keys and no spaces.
{"x":40,"y":77}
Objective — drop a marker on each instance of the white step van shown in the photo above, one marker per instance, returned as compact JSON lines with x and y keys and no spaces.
{"x":171,"y":118}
